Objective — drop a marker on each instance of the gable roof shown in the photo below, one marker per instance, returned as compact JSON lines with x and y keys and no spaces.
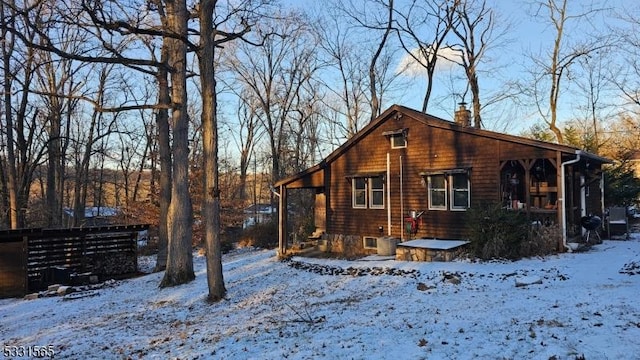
{"x":430,"y":120}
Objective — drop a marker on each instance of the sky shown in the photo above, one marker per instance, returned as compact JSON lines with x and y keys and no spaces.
{"x":511,"y":61}
{"x":566,"y":306}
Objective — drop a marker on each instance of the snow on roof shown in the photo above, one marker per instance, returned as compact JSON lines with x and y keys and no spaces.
{"x":95,"y":211}
{"x":261,"y":208}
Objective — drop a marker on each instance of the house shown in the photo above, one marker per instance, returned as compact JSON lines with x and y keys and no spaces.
{"x":409,"y":175}
{"x":257,"y":214}
{"x":93,"y":216}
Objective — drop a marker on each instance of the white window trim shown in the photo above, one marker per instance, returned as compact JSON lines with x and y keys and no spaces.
{"x":452,"y":194}
{"x":370,"y":193}
{"x":364,"y":242}
{"x":439,"y":207}
{"x":394,"y":136}
{"x":354,"y":192}
{"x":449,"y":192}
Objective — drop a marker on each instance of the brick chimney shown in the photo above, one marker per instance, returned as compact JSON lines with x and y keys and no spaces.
{"x":462,"y":115}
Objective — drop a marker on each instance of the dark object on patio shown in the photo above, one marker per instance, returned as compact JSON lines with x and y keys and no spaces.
{"x":591,"y":223}
{"x":618,"y":218}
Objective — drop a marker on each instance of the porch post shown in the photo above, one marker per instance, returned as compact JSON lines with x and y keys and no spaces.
{"x":282,"y":221}
{"x":560,"y":186}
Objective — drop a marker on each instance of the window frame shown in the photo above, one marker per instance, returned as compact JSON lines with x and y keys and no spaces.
{"x":367,"y":240}
{"x":431,"y":189}
{"x":373,"y":189}
{"x":449,"y":189}
{"x":367,"y":192}
{"x":395,"y":137}
{"x":453,"y":190}
{"x":355,"y":192}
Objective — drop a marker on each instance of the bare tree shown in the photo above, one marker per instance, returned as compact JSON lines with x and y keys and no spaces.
{"x":475,"y":24}
{"x":435,"y":19}
{"x":563,"y":57}
{"x":245,"y":135}
{"x":180,"y":218}
{"x":214,"y":24}
{"x":276,"y":73}
{"x":596,"y":87}
{"x":375,"y":102}
{"x":348,"y":92}
{"x":24,"y":146}
{"x":89,"y":141}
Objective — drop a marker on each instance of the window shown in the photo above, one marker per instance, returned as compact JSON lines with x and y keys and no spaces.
{"x":359,"y":192}
{"x":368,"y":192}
{"x":459,"y":191}
{"x":449,"y":190}
{"x":376,"y":195}
{"x":398,"y":141}
{"x":369,"y":242}
{"x":438,"y":192}
{"x":397,"y":137}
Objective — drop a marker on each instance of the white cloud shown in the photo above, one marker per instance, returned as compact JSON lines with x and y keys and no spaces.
{"x":448,"y":58}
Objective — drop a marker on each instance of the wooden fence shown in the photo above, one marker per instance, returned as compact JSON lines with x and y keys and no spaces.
{"x":32,"y":259}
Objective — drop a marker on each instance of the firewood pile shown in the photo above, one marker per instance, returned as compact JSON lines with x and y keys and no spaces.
{"x":114,"y":264}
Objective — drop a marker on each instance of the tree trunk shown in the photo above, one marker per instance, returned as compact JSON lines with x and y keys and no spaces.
{"x":11,"y":181}
{"x":475,"y":93}
{"x":164,"y":151}
{"x":180,"y":218}
{"x":375,"y":102}
{"x":211,"y":201}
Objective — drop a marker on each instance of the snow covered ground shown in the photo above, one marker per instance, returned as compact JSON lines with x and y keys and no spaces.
{"x":568,"y":306}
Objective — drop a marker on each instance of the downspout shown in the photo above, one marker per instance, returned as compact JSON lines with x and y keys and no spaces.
{"x":388,"y":195}
{"x":602,"y":200}
{"x":563,"y":207}
{"x":602,"y":196}
{"x":401,"y":203}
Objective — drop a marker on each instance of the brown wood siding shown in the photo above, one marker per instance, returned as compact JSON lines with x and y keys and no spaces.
{"x":429,"y":149}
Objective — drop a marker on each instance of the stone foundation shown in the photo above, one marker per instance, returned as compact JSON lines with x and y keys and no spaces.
{"x":404,"y":253}
{"x":349,"y":246}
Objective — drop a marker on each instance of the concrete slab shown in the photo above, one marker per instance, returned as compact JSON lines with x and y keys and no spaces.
{"x":434,"y":244}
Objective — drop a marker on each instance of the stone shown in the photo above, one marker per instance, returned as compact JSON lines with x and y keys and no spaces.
{"x":31,"y":296}
{"x":528,"y":280}
{"x":64,"y":290}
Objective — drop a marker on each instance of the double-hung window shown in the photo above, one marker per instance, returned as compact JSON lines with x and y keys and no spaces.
{"x":449,"y":190}
{"x":368,"y":192}
{"x":459,"y":191}
{"x":359,"y":192}
{"x":438,"y":192}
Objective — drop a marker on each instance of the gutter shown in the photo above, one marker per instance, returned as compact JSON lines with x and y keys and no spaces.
{"x":563,"y":208}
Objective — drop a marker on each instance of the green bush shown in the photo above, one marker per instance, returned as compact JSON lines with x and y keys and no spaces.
{"x":496,"y":232}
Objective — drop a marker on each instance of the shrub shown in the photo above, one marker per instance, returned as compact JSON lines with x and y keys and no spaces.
{"x":542,"y":240}
{"x":499,"y":233}
{"x":263,"y":235}
{"x":496,"y":232}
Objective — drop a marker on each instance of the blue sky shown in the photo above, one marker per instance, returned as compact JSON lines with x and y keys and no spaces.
{"x":509,"y":62}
